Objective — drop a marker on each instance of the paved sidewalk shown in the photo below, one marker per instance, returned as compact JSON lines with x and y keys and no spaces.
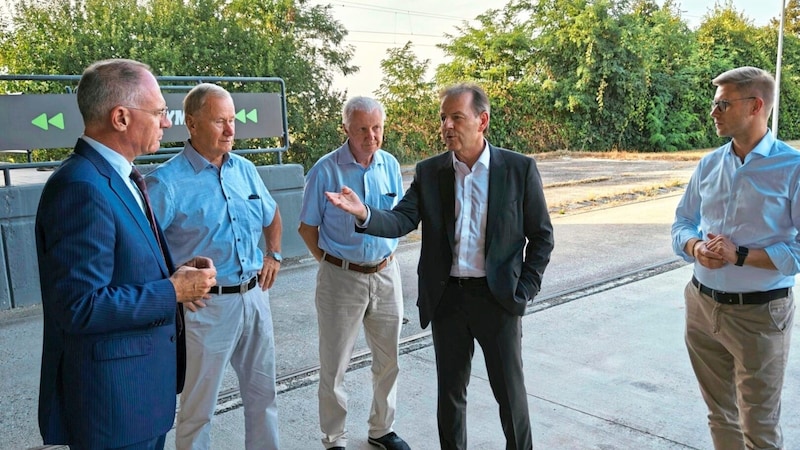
{"x":607,"y":371}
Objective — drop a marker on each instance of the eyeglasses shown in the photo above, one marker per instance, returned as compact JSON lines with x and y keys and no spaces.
{"x":723,"y":104}
{"x":156,"y":112}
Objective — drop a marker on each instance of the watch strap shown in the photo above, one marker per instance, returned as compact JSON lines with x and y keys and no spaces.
{"x":741,"y":254}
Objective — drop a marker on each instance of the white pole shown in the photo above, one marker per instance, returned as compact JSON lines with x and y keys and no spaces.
{"x":775,"y":108}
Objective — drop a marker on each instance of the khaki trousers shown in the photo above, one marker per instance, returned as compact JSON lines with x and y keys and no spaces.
{"x":346,"y":299}
{"x":739,"y":354}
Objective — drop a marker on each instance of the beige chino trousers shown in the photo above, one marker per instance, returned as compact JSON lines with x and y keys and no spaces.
{"x":739,"y":355}
{"x":346,"y":299}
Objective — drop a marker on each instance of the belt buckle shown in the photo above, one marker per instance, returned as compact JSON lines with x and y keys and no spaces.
{"x":243,"y":288}
{"x":729,"y":301}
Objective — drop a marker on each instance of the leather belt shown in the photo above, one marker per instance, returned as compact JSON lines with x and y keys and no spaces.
{"x":468,"y":281}
{"x":357,"y":267}
{"x":744,"y":298}
{"x":236,"y":289}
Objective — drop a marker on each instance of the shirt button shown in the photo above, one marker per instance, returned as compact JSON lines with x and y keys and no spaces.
{"x":172,"y":338}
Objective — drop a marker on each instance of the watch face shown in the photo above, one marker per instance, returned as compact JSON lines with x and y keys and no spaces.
{"x":277,"y":256}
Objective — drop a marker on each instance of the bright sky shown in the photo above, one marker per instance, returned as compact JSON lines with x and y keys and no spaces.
{"x":375,"y":26}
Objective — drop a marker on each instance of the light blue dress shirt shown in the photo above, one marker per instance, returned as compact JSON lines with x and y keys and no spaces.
{"x":120,"y":165}
{"x":756,"y":204}
{"x":215,"y":212}
{"x":380,"y":186}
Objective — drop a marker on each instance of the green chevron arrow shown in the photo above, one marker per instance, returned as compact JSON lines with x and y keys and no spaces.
{"x":57,"y":121}
{"x":41,"y":121}
{"x":242,"y":116}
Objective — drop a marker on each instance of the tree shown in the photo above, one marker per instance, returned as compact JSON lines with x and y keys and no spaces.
{"x":412,"y":109}
{"x":791,"y":20}
{"x":500,"y":55}
{"x":284,"y":38}
{"x":726,"y":39}
{"x":599,"y":61}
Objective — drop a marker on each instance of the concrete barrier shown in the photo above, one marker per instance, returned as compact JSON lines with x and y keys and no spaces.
{"x":19,"y":269}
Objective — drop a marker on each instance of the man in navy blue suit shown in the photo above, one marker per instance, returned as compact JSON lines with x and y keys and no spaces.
{"x":110,"y":293}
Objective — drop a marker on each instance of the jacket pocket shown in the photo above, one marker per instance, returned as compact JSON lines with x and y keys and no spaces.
{"x":125,"y":347}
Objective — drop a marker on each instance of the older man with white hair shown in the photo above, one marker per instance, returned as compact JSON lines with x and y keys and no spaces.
{"x":358,"y":280}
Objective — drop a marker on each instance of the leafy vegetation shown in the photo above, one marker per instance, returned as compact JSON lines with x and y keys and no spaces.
{"x":586,"y":75}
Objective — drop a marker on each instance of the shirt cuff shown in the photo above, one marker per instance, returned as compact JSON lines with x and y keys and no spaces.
{"x":365,"y":223}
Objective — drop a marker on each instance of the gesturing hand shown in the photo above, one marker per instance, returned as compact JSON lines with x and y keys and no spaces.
{"x":348,"y":201}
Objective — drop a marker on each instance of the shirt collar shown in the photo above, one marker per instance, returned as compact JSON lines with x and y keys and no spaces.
{"x":118,"y":162}
{"x":762,"y":149}
{"x":198,"y":161}
{"x":346,"y":156}
{"x":483,"y":160}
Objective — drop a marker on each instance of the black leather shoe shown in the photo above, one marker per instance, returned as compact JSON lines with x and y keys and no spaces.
{"x":390,"y":441}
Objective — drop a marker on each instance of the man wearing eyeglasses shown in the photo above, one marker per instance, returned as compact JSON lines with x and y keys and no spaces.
{"x":111,"y":359}
{"x":213,"y":202}
{"x":738,"y":222}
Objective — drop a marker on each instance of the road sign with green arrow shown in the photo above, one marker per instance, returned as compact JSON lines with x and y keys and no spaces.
{"x":53,"y":120}
{"x":39,"y":121}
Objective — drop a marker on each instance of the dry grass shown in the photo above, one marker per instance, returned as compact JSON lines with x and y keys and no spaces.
{"x":685,"y":155}
{"x":576,"y":182}
{"x":616,"y":198}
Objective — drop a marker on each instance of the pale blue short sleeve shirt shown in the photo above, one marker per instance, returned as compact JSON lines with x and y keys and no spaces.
{"x":215,"y":212}
{"x":379,"y":186}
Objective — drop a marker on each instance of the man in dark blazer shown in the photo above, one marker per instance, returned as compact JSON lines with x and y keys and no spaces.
{"x":109,"y":361}
{"x":486,"y":240}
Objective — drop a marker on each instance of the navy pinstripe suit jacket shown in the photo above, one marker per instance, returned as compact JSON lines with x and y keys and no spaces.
{"x":109,"y":371}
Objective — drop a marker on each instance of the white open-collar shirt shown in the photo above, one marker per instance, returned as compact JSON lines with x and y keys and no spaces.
{"x":472,"y":204}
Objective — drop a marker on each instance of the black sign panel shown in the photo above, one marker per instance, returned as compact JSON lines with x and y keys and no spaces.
{"x":39,"y":121}
{"x":53,"y":120}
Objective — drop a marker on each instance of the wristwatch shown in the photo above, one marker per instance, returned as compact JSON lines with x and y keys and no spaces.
{"x":741,"y":254}
{"x":275,"y":255}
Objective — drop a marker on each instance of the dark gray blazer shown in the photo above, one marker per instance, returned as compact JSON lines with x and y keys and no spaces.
{"x":519,"y":235}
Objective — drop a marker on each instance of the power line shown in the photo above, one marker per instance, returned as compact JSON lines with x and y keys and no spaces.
{"x":396,"y":33}
{"x":387,"y":9}
{"x":416,"y":44}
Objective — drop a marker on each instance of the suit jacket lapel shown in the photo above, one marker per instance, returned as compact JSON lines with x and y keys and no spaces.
{"x":447,"y":179}
{"x":498,"y":191}
{"x":123,"y":193}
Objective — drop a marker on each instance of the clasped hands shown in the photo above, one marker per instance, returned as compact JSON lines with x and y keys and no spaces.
{"x":193,"y":280}
{"x":715,"y":252}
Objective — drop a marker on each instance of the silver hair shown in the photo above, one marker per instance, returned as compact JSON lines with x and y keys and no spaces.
{"x":107,"y":84}
{"x":363,"y":104}
{"x":196,"y":98}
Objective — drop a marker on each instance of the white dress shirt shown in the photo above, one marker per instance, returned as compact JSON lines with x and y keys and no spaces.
{"x":472,"y":203}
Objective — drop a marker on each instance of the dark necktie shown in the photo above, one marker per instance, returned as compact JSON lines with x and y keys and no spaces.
{"x":138,"y":179}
